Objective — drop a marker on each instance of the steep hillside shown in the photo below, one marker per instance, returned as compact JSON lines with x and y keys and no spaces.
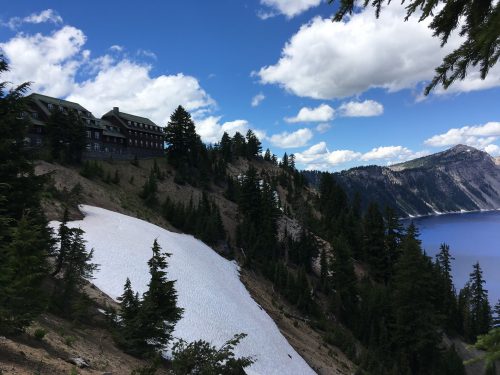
{"x":459,"y":179}
{"x":123,"y":197}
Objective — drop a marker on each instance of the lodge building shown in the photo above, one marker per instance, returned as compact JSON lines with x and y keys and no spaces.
{"x":116,"y":135}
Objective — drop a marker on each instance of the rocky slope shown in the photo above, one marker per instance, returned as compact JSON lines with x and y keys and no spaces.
{"x":459,"y":179}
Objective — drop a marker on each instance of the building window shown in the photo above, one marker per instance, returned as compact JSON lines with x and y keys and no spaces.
{"x":38,"y":141}
{"x":136,"y":142}
{"x":88,"y":146}
{"x":89,"y":134}
{"x":50,"y":106}
{"x":96,"y":146}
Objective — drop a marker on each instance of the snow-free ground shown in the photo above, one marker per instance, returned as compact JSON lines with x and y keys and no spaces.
{"x":216,"y":304}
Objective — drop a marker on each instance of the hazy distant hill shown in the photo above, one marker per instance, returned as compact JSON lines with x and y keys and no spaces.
{"x":461,"y":178}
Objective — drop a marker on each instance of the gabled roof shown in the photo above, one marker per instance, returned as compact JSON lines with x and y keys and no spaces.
{"x":126,"y":117}
{"x":39,"y":99}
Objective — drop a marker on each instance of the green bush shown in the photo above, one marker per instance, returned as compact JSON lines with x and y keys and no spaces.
{"x":40,"y":333}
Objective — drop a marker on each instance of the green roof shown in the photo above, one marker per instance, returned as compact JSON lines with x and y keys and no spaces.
{"x":125,"y":117}
{"x":56,"y":101}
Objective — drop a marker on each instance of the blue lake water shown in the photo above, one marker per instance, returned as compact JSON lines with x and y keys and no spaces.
{"x":473,"y":237}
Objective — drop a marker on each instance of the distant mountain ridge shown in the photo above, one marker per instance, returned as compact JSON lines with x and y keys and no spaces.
{"x":461,"y":178}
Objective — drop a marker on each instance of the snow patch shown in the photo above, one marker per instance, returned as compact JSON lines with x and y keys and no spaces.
{"x":217,"y":305}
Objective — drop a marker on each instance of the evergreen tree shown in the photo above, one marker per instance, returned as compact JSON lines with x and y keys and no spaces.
{"x":158,"y":313}
{"x":23,"y":266}
{"x":496,"y":315}
{"x":447,"y":298}
{"x":374,"y":246}
{"x":183,"y":144}
{"x":415,"y":334}
{"x":239,"y":145}
{"x":254,"y":147}
{"x":67,"y":136}
{"x":225,"y":147}
{"x":64,"y":239}
{"x":77,"y":267}
{"x":128,"y":336}
{"x":25,"y":239}
{"x":479,"y":307}
{"x":344,"y":282}
{"x":393,"y":237}
{"x":267,"y":155}
{"x":149,"y":190}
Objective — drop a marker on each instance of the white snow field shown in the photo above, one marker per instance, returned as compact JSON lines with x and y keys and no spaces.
{"x":217,"y":305}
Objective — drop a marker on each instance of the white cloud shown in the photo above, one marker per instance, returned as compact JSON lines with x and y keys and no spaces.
{"x":327,"y":60}
{"x":211,"y":130}
{"x":387,"y":152}
{"x":53,"y":61}
{"x":50,"y":62}
{"x":257,"y":99}
{"x":492,"y":150}
{"x":366,"y":108}
{"x":47,"y":15}
{"x":319,"y":157}
{"x":323,"y":127}
{"x":289,"y":8}
{"x":147,"y":53}
{"x":297,"y":138}
{"x":116,"y":48}
{"x":341,"y":156}
{"x":319,"y":114}
{"x":480,"y":136}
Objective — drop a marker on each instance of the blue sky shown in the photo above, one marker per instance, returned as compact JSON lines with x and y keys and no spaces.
{"x":336,"y":95}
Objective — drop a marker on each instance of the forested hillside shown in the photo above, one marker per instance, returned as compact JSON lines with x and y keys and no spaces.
{"x":459,"y":179}
{"x":341,"y":279}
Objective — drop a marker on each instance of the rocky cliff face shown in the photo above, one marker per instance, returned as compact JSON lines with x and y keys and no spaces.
{"x":458,"y":179}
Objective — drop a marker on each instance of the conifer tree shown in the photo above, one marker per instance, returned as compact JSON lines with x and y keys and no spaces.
{"x":77,"y":266}
{"x":415,"y":328}
{"x":239,"y":145}
{"x":374,"y":246}
{"x":254,"y":147}
{"x":183,"y":143}
{"x":496,"y":315}
{"x":344,"y":282}
{"x":480,"y":310}
{"x":129,"y":336}
{"x":159,"y":312}
{"x":267,"y":155}
{"x":25,"y":239}
{"x":64,"y":240}
{"x":66,"y":134}
{"x":149,"y":190}
{"x":225,"y":147}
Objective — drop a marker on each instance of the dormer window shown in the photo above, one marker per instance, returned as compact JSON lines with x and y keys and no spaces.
{"x":50,"y":106}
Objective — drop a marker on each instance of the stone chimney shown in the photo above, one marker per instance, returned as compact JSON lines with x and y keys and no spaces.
{"x":116,"y":110}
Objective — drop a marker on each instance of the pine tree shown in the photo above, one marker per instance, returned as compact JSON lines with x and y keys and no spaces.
{"x":496,"y":315}
{"x":159,"y":311}
{"x":239,"y":145}
{"x":447,"y":298}
{"x":344,"y":282}
{"x":374,"y":246}
{"x":64,"y":240}
{"x":128,"y":334}
{"x":393,"y":237}
{"x":149,"y":190}
{"x":183,"y":143}
{"x":24,"y":267}
{"x":254,"y":147}
{"x":66,"y":134}
{"x":415,"y":328}
{"x":77,"y":267}
{"x":225,"y":147}
{"x":267,"y":155}
{"x":480,"y":310}
{"x":25,"y":239}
